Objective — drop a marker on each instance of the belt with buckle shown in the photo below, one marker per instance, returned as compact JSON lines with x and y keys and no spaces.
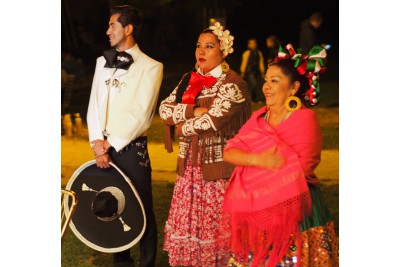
{"x":140,"y":141}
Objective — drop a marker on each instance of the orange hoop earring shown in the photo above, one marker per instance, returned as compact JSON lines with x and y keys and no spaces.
{"x":225,"y":66}
{"x":292,"y":103}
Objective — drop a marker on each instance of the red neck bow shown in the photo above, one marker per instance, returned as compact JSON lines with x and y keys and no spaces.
{"x":196,"y":83}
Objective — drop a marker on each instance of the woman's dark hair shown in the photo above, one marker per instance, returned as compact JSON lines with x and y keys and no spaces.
{"x":207,"y":30}
{"x":287,"y":67}
{"x":128,"y":15}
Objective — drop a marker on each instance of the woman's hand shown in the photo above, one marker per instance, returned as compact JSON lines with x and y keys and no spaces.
{"x":269,"y":159}
{"x":178,"y":129}
{"x":198,"y":111}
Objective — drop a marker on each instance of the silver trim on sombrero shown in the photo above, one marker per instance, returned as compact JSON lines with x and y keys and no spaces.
{"x":82,"y":238}
{"x":87,"y":188}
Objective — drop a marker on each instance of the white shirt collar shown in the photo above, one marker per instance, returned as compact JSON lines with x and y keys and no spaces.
{"x":216,"y":72}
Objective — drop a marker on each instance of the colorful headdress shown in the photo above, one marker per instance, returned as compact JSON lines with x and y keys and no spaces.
{"x":224,"y":37}
{"x":308,"y":65}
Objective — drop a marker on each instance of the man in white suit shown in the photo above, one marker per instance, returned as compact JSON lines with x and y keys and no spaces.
{"x":124,"y":94}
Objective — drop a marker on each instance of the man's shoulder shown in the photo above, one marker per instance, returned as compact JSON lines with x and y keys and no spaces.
{"x":100,"y":61}
{"x":150,"y":62}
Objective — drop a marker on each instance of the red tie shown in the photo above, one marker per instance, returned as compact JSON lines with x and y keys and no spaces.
{"x":196,"y":83}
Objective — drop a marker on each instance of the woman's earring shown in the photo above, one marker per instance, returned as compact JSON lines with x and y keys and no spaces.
{"x":225,"y":66}
{"x":196,"y":66}
{"x":292,"y":103}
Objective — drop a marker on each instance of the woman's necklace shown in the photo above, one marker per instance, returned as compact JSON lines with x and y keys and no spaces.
{"x":267,"y":115}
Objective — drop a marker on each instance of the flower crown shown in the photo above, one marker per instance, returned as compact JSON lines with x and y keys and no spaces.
{"x":308,"y":65}
{"x":224,"y":37}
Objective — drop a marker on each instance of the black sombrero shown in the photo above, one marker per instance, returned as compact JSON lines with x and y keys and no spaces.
{"x":109,"y":216}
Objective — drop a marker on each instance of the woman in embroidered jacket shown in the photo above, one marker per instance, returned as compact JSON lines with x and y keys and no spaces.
{"x":276,"y":215}
{"x":207,"y":108}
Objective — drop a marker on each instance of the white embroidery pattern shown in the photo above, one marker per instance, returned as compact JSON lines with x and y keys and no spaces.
{"x":165,"y":112}
{"x":219,"y":106}
{"x":208,"y":159}
{"x":176,"y":112}
{"x":187,"y":128}
{"x":202,"y":123}
{"x":227,"y":93}
{"x":171,"y":97}
{"x":122,"y":59}
{"x":218,"y":153}
{"x":212,"y":91}
{"x":213,"y":154}
{"x":179,"y":113}
{"x":231,"y":91}
{"x":183,"y":148}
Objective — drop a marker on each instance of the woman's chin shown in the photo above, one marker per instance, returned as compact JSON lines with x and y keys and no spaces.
{"x":204,"y":69}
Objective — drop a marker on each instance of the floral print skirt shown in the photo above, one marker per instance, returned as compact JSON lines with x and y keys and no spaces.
{"x":191,"y":231}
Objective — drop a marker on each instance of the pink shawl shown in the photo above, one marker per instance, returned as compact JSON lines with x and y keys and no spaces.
{"x":263,"y":208}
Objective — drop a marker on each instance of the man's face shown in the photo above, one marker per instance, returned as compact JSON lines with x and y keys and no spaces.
{"x":116,"y":32}
{"x":270,"y":43}
{"x":316,"y":24}
{"x":252,"y":44}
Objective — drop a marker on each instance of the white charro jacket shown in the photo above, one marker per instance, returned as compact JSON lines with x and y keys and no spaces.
{"x":123,"y":101}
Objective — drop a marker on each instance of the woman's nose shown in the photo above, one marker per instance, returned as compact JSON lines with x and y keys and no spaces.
{"x":265,"y":86}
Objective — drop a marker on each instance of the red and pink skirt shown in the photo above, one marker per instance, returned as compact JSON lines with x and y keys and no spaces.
{"x":191,"y":231}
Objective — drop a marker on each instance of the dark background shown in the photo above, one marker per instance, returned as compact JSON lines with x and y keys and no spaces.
{"x":171,"y":28}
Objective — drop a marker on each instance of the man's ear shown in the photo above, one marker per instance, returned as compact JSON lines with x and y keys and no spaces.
{"x":129,"y":29}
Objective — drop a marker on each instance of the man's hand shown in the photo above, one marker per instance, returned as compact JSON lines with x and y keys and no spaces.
{"x":103,"y":161}
{"x":100,"y":149}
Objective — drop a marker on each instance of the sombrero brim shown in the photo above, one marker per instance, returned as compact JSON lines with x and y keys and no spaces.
{"x":109,"y":237}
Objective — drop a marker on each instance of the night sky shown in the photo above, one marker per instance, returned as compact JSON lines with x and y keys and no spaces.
{"x":171,"y":27}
